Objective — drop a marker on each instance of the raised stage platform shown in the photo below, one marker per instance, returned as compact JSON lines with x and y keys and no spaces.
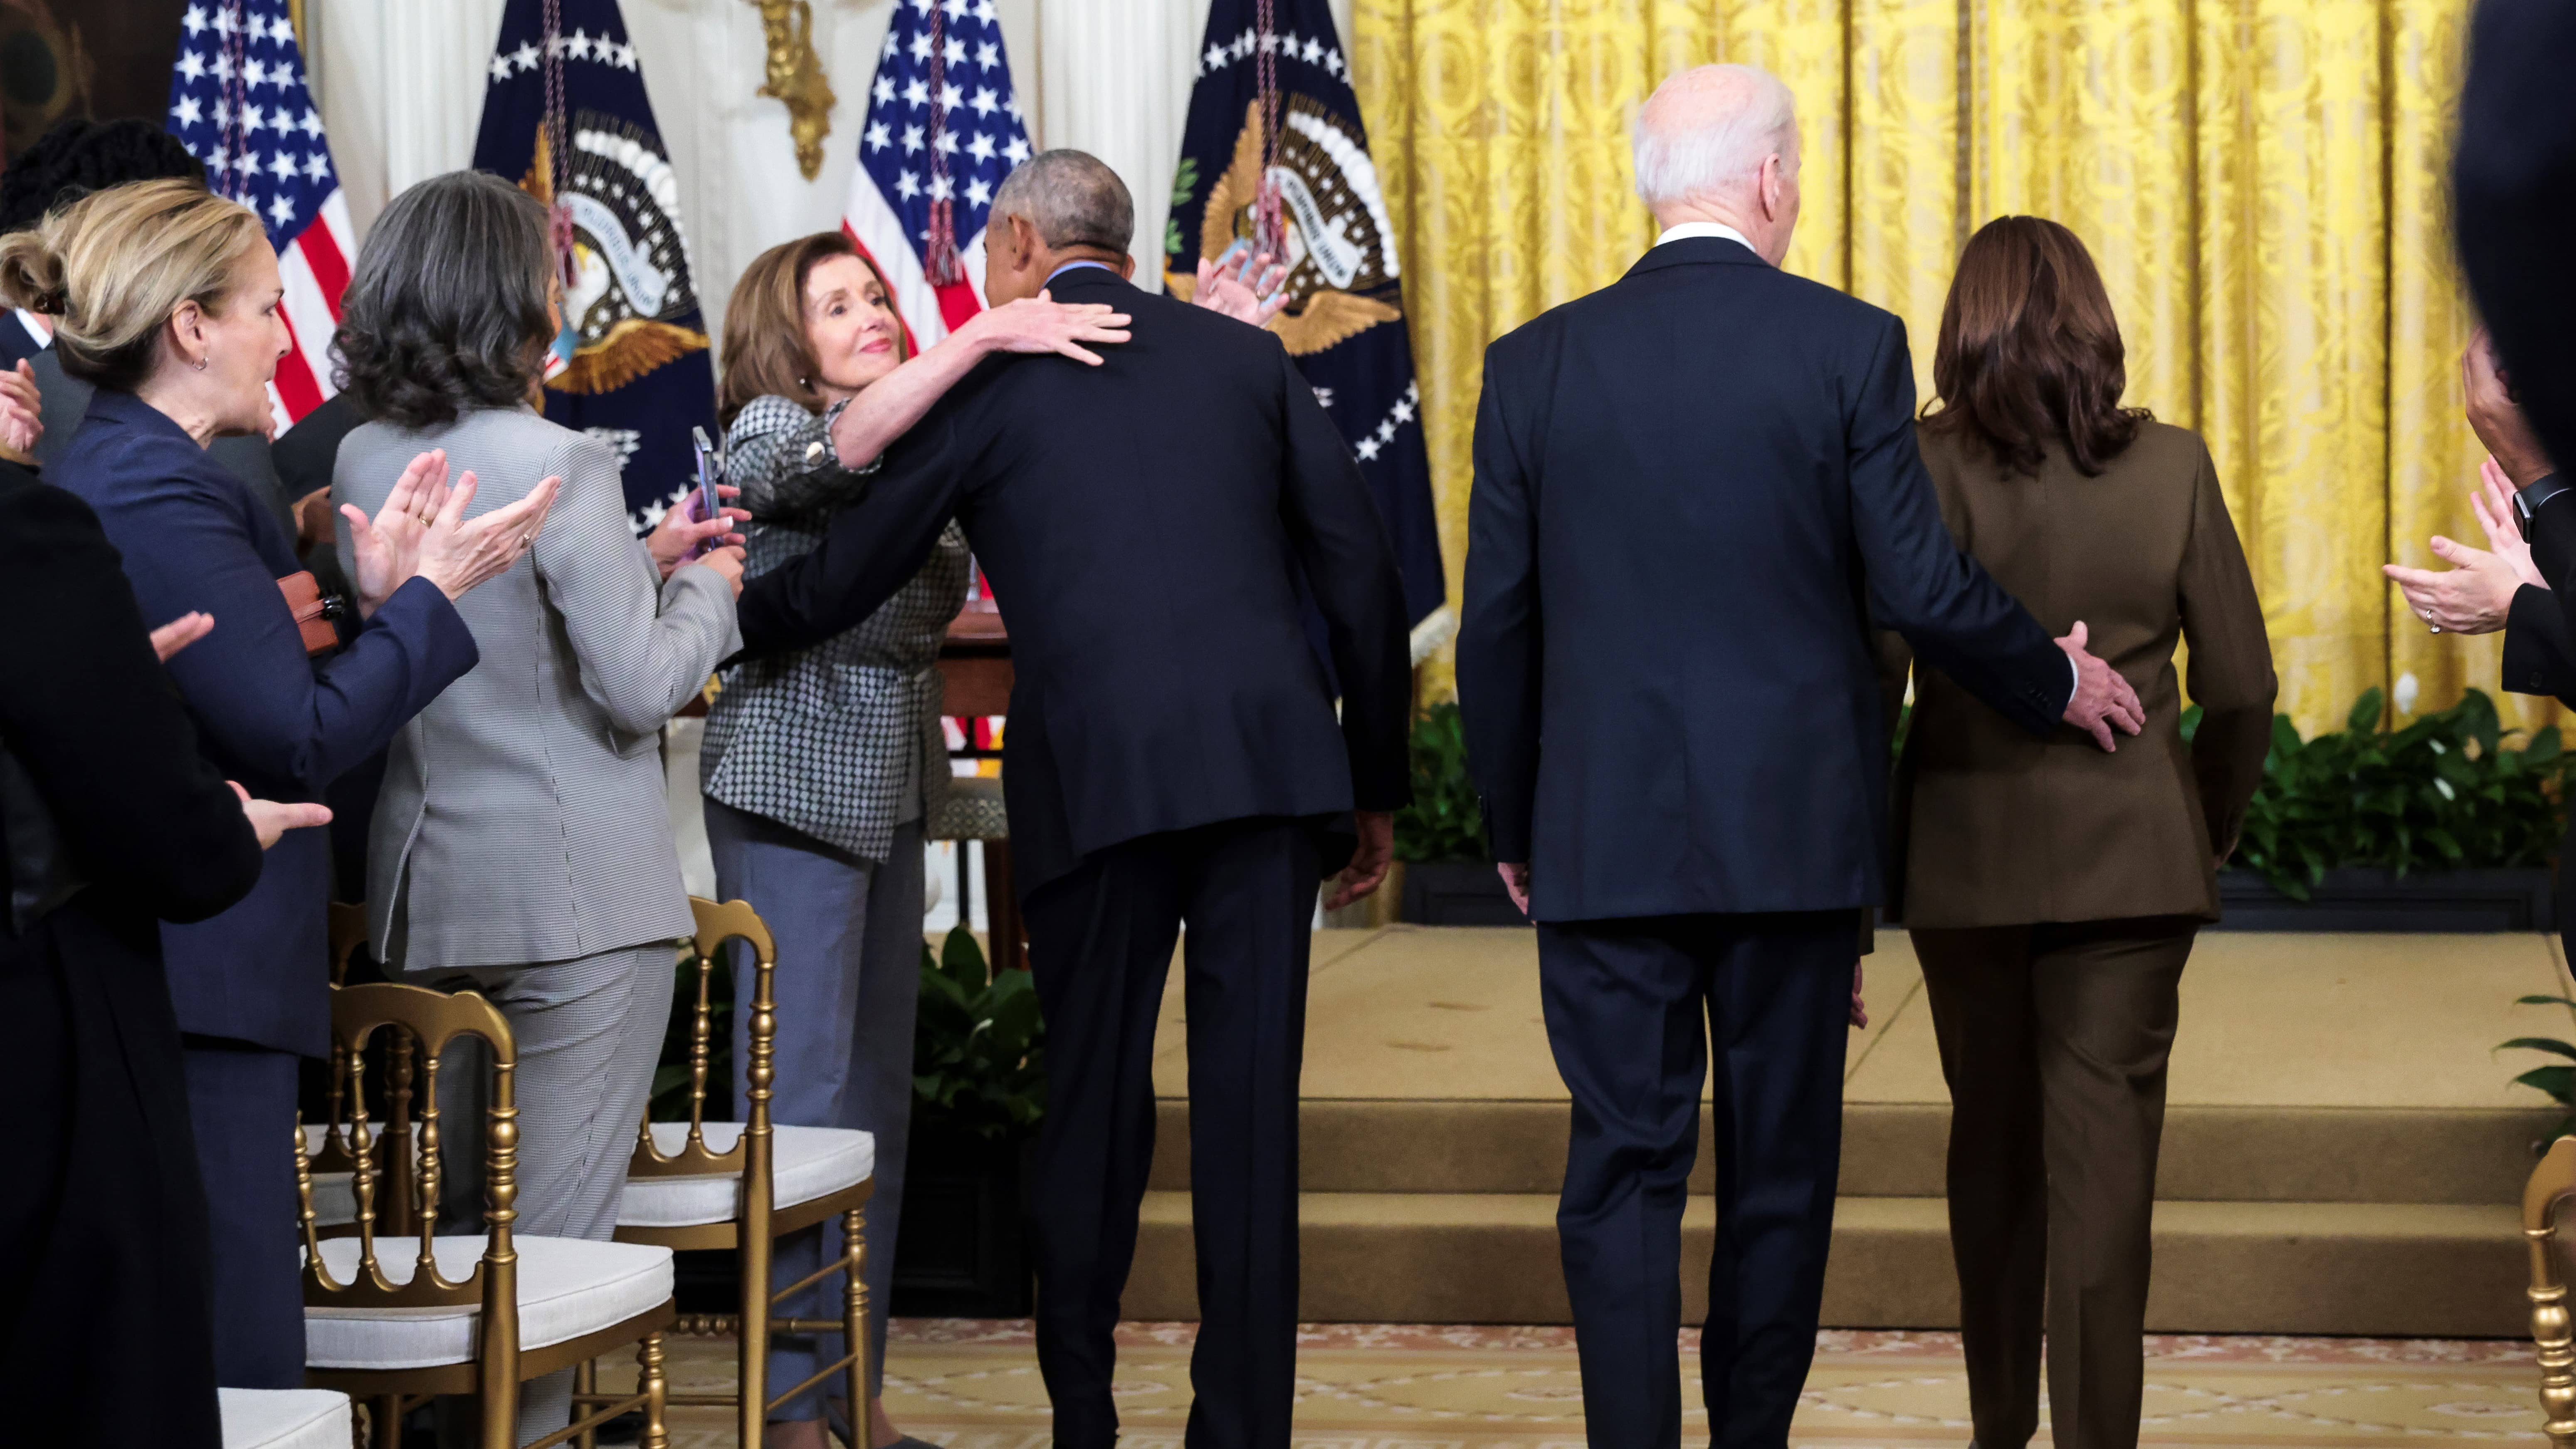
{"x":2343,"y":1150}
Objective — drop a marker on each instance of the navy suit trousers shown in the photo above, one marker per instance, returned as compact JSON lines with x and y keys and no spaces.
{"x":1100,"y":945}
{"x":242,"y":1098}
{"x":1631,"y":1008}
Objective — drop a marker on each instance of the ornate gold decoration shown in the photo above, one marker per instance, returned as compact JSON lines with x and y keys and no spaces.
{"x":1319,"y":315}
{"x":795,"y":76}
{"x":633,"y":346}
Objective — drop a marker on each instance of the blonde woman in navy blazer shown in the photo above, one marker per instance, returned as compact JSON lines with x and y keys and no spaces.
{"x":166,"y":300}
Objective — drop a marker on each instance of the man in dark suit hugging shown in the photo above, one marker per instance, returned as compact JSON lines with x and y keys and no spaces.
{"x":1173,"y":756}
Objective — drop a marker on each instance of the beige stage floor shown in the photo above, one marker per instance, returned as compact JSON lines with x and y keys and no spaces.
{"x":2270,"y":1020}
{"x":974,"y":1385}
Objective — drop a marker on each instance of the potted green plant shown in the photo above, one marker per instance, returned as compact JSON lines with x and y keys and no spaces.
{"x":979,"y":1089}
{"x":2443,"y":825}
{"x":1449,"y":875}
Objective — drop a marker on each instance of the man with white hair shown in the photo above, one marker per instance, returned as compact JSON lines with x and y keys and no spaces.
{"x":1696,"y":494}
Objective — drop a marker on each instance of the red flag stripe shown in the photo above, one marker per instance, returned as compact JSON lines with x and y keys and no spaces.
{"x":330,"y":269}
{"x":295,"y":384}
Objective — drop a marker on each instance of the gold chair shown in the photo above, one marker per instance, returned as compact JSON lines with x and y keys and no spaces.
{"x":335,"y":1203}
{"x":393,"y":1331}
{"x":2551,"y":1183}
{"x":741,"y":1186}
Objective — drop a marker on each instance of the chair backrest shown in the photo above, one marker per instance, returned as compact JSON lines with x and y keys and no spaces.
{"x":719,"y":925}
{"x":348,"y":931}
{"x":2551,"y":1183}
{"x":428,"y":1021}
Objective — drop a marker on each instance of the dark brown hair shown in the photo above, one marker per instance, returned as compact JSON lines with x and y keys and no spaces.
{"x":2029,"y":352}
{"x":446,"y":311}
{"x":765,"y":351}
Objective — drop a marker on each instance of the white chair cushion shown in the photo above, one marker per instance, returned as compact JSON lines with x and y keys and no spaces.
{"x":567,"y":1288}
{"x":804,"y":1163}
{"x":285,"y":1418}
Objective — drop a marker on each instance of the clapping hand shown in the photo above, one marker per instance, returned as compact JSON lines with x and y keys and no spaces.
{"x":1251,"y":292}
{"x":2102,"y":698}
{"x":422,"y":532}
{"x":22,"y":411}
{"x":2474,"y":595}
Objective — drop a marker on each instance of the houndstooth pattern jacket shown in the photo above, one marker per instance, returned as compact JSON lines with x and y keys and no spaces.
{"x":825,"y":740}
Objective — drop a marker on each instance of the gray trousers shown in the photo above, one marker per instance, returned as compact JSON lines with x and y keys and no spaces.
{"x":849,"y":975}
{"x":588,"y":1031}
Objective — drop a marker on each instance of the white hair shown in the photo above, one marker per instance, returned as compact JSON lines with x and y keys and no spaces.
{"x":1710,"y":147}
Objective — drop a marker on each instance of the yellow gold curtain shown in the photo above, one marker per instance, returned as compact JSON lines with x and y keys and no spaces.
{"x":2261,"y":180}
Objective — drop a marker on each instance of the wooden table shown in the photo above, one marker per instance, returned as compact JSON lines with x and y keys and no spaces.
{"x":975,"y":663}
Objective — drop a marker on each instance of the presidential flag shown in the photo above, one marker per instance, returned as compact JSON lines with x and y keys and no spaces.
{"x":239,"y":104}
{"x":566,"y":117}
{"x":1274,"y":154}
{"x":944,"y":126}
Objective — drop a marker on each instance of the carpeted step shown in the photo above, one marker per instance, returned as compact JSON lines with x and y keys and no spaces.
{"x":2242,"y":1154}
{"x":2221,"y":1267}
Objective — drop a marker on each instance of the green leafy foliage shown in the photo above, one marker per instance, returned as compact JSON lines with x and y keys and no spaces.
{"x":2447,"y":792}
{"x":978,"y":1046}
{"x":2558,"y":1083}
{"x":1445,"y":820}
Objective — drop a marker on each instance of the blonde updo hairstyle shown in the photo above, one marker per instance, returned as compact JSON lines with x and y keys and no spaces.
{"x":110,"y":268}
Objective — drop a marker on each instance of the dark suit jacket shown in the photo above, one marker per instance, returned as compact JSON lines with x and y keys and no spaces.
{"x":2514,"y":201}
{"x":1145,"y":525}
{"x":101,"y":1205}
{"x":1996,"y":828}
{"x":1694,"y":489}
{"x":282,"y":724}
{"x":93,"y":720}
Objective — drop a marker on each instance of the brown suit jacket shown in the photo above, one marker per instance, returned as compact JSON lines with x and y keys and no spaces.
{"x":1996,"y":828}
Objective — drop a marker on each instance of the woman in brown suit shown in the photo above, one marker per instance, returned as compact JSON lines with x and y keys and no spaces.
{"x":2052,"y":889}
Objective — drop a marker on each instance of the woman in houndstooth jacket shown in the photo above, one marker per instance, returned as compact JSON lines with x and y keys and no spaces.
{"x":820,"y":766}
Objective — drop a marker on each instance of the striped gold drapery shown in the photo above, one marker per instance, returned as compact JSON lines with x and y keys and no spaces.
{"x":2261,"y":180}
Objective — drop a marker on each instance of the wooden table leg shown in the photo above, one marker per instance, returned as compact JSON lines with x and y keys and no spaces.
{"x":1002,"y":910}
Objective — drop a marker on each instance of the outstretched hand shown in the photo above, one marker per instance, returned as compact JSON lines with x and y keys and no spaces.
{"x":2102,"y":699}
{"x":1252,"y":292}
{"x":181,"y":632}
{"x":270,"y":819}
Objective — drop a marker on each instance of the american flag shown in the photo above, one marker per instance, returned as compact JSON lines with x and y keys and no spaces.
{"x":238,"y":102}
{"x":943,"y":124}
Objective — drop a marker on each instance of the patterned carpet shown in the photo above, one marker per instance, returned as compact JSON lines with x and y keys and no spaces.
{"x":974,"y":1385}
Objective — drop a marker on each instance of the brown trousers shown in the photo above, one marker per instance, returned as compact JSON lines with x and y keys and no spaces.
{"x":2054,"y":1040}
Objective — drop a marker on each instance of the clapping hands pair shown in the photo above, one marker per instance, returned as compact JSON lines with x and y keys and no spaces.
{"x":422,"y":532}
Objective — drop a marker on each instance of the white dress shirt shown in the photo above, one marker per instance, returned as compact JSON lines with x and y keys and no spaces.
{"x":1720,"y":230}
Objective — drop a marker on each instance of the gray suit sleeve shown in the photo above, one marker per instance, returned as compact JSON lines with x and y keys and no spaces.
{"x":644,"y":647}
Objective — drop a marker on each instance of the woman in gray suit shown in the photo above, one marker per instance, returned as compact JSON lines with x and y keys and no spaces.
{"x":522,"y":843}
